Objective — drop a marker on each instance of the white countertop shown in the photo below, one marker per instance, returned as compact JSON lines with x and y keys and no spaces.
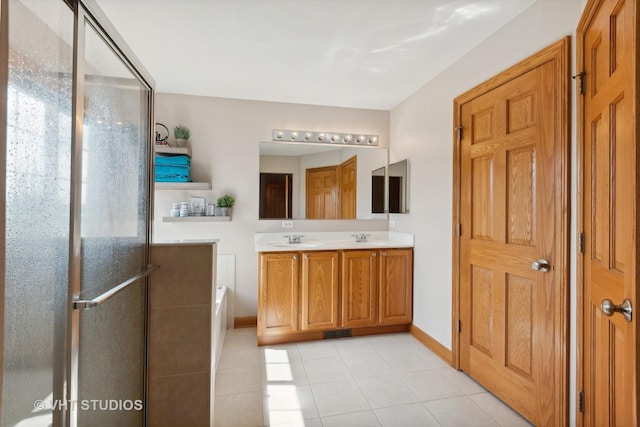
{"x":185,"y":242}
{"x":318,"y":241}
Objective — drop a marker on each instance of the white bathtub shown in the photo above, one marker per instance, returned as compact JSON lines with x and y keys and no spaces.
{"x":219,"y":323}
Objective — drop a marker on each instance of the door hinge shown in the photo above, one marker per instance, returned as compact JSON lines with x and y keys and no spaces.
{"x":580,"y":78}
{"x":459,"y":130}
{"x":459,"y":230}
{"x":581,"y":243}
{"x":581,"y":402}
{"x":459,"y":326}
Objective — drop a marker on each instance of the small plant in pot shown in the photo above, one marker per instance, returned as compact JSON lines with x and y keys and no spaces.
{"x":225,"y":202}
{"x":182,"y":134}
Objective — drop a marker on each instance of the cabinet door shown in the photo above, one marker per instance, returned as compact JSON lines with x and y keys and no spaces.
{"x":396,"y":285}
{"x":359,"y":296}
{"x":319,"y":301}
{"x":278,"y":294}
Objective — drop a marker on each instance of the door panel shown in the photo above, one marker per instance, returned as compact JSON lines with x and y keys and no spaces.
{"x":320,"y":278}
{"x":359,"y":288}
{"x":396,"y":286}
{"x":608,"y":54}
{"x":278,"y":293}
{"x":510,"y":338}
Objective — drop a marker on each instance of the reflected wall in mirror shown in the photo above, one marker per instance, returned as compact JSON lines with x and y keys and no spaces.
{"x":326,"y":182}
{"x":398,"y":187}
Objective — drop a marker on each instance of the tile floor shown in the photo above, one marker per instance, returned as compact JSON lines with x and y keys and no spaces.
{"x":380,"y":380}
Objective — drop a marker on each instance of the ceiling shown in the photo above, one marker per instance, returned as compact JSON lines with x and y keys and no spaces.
{"x":349,"y":53}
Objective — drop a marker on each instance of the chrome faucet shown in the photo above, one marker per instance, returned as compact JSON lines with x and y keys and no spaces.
{"x":361,"y":237}
{"x":294,"y":238}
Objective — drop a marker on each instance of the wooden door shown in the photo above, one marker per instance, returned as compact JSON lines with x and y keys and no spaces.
{"x":322,"y":193}
{"x":319,"y":290}
{"x":513,"y":318}
{"x":396,"y":286}
{"x":348,"y":185}
{"x":607,"y":54}
{"x":359,"y":284}
{"x":278,"y":293}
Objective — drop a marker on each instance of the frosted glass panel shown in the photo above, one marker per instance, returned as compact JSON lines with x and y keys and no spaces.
{"x":112,"y":343}
{"x":114,"y":170}
{"x":37,"y":206}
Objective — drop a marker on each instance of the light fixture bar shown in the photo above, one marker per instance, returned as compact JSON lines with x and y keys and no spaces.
{"x":341,"y":138}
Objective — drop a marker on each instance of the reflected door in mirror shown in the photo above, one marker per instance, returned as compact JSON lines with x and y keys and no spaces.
{"x":348,"y":185}
{"x":277,"y":191}
{"x":331,"y":191}
{"x":322,"y":193}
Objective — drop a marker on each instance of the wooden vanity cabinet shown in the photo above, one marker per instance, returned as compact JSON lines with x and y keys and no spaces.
{"x":395,"y":286}
{"x":278,"y":293}
{"x":377,"y":287}
{"x":302,"y":295}
{"x":289,"y":301}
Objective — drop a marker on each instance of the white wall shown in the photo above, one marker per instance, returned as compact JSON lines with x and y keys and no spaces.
{"x":225,"y":134}
{"x":422,"y":131}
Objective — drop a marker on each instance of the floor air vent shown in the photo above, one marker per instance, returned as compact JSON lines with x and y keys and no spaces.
{"x":340,"y":333}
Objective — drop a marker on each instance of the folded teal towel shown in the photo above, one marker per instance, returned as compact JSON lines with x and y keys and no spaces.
{"x":180,"y":160}
{"x":172,"y":170}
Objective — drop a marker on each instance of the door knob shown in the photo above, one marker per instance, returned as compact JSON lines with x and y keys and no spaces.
{"x":609,"y":308}
{"x":541,"y":265}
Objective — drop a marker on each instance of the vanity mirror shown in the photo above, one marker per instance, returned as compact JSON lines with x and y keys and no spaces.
{"x":308,"y":181}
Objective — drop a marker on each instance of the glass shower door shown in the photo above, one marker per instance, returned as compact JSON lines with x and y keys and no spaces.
{"x":112,"y":196}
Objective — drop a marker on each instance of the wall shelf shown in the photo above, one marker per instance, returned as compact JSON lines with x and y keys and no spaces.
{"x":182,"y":185}
{"x":196,"y":218}
{"x":163,"y":149}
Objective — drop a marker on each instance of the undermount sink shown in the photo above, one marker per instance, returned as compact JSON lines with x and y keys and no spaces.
{"x":295,"y":245}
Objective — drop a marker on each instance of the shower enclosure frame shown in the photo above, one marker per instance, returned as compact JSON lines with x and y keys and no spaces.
{"x":65,"y":384}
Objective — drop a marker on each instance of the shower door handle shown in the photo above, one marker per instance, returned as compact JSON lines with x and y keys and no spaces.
{"x":87,"y":304}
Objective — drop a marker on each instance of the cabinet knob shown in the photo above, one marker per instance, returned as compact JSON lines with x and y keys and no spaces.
{"x":383,"y":253}
{"x":306,"y":256}
{"x":373,"y":254}
{"x":295,"y":257}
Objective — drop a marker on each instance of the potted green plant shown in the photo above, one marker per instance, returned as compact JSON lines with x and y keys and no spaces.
{"x":182,"y":134}
{"x":225,"y":202}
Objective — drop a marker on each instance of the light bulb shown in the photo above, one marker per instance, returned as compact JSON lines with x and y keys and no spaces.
{"x":307,"y":136}
{"x":294,"y":135}
{"x":280,"y":135}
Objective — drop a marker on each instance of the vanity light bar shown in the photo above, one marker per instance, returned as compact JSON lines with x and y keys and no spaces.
{"x":324,"y":137}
